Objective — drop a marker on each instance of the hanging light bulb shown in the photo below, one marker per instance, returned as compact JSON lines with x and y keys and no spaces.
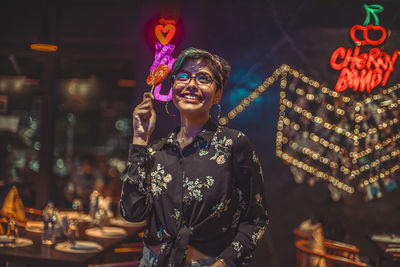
{"x":47,"y":38}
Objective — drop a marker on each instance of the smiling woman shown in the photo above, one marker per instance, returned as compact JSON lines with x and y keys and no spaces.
{"x":201,"y":187}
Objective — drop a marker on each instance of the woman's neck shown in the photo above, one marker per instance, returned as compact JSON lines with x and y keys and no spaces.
{"x":190,"y":128}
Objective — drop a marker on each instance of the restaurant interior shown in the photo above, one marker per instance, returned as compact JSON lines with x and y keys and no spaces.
{"x":314,"y":84}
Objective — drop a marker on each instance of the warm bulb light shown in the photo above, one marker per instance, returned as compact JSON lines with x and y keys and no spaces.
{"x":44,"y":47}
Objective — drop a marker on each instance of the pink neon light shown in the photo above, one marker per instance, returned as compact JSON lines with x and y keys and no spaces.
{"x":162,"y":56}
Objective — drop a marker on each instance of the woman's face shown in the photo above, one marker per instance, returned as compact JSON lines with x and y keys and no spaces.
{"x":196,"y":96}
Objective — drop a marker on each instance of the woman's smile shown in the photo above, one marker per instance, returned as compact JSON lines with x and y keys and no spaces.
{"x":191,"y":97}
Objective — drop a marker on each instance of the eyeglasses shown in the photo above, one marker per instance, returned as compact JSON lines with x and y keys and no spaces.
{"x":202,"y":79}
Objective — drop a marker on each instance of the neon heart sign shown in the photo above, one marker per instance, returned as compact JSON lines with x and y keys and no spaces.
{"x":165,"y":31}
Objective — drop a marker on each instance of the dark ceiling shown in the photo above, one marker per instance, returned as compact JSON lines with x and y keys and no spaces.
{"x":103,"y":37}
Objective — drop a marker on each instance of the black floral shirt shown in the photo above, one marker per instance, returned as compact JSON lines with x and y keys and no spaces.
{"x":209,"y":195}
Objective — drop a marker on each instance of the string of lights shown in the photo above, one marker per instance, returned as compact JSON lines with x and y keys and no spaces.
{"x":335,"y":172}
{"x":383,"y":174}
{"x":315,"y":172}
{"x":378,"y":146}
{"x":316,"y":156}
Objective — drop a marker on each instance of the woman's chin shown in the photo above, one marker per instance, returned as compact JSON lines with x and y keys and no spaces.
{"x":189,"y":105}
{"x":191,"y":109}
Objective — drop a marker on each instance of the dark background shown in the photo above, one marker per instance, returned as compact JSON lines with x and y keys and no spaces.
{"x":112,"y":39}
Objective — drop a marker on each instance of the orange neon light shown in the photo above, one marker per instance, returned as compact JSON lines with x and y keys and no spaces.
{"x":363,"y":71}
{"x":44,"y":47}
{"x":165,"y":31}
{"x":126,"y":83}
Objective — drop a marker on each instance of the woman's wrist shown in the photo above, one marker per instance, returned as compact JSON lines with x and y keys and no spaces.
{"x":140,"y":141}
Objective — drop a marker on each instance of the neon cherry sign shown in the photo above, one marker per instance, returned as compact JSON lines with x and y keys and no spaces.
{"x":365,"y":32}
{"x":363,"y":71}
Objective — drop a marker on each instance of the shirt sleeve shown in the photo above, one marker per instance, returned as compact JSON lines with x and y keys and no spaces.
{"x":253,"y":219}
{"x":136,"y":199}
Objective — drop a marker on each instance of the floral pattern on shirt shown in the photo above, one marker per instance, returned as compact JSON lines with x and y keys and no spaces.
{"x":257,"y":161}
{"x":220,"y":208}
{"x":159,"y":180}
{"x":222,"y":147}
{"x":171,"y":138}
{"x":254,"y":157}
{"x":151,"y":151}
{"x":259,"y":200}
{"x":257,"y":235}
{"x":235,"y":218}
{"x":237,"y":247}
{"x":194,"y":188}
{"x":176,"y":214}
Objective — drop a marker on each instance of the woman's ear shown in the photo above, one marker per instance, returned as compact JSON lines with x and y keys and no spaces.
{"x":217,"y":96}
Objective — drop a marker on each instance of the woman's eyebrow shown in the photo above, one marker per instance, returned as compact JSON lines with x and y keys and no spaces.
{"x":198,"y":72}
{"x":203,"y":72}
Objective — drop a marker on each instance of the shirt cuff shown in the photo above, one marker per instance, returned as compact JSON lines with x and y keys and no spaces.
{"x":238,"y":252}
{"x":136,"y":149}
{"x":136,"y":160}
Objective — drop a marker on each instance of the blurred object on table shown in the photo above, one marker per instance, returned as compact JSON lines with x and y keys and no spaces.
{"x":119,"y":221}
{"x":13,"y":206}
{"x":80,"y":246}
{"x":77,"y":205}
{"x":51,"y":223}
{"x":34,"y":226}
{"x":106,"y":232}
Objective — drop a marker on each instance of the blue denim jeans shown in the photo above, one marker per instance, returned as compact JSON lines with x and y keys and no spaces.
{"x":149,"y":259}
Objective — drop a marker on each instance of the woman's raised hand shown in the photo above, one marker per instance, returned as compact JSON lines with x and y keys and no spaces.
{"x":144,"y":120}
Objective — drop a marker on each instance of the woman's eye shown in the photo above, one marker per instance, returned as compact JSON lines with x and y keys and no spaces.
{"x":182,"y":76}
{"x":204,"y":78}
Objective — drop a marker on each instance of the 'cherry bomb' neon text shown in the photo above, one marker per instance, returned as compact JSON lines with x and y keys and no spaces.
{"x":363,"y":71}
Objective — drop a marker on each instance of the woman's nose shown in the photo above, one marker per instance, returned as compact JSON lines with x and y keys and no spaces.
{"x":192,"y":82}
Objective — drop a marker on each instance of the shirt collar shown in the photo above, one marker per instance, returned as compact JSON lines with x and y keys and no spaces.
{"x":207,"y":133}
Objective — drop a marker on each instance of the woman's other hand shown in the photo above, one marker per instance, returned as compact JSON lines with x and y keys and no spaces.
{"x":144,"y":120}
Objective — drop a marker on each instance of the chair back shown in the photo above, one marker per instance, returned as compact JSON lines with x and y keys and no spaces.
{"x":304,"y":254}
{"x":33,"y":214}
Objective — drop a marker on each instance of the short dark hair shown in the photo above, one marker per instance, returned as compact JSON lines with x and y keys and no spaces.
{"x":219,"y":67}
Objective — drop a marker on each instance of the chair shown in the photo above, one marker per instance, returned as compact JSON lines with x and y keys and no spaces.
{"x":332,"y":247}
{"x":33,"y":214}
{"x":336,"y":254}
{"x":299,"y":235}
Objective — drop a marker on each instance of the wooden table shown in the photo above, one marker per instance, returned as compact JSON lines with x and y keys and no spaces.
{"x":41,"y":255}
{"x":383,"y":246}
